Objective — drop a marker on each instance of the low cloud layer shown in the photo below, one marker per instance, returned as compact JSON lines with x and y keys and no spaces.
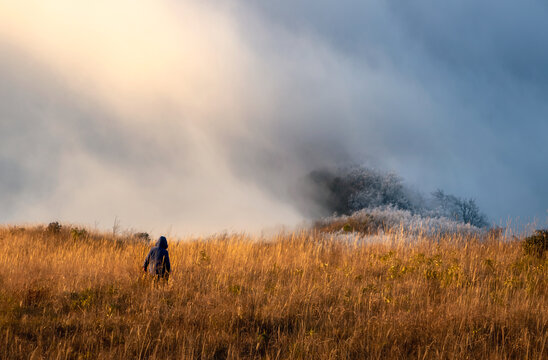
{"x":205,"y":116}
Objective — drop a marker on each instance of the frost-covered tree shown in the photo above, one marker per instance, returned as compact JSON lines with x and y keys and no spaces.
{"x":374,"y":189}
{"x":351,"y":189}
{"x":464,"y":210}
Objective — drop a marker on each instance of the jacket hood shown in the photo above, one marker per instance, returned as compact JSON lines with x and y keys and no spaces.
{"x":162,"y":242}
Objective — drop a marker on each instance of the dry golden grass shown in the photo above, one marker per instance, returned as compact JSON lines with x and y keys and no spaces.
{"x":297,"y":296}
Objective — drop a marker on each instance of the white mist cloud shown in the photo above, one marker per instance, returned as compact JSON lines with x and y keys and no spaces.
{"x":136,"y":96}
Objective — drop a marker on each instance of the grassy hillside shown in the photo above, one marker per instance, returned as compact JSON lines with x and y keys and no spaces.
{"x":75,"y":294}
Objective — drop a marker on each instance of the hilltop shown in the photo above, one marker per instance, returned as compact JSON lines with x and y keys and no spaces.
{"x":74,"y":293}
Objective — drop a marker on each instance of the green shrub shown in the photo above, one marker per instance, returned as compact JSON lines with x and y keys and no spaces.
{"x":536,"y":244}
{"x":78,"y":233}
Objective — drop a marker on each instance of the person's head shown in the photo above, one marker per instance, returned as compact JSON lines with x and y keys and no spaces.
{"x":162,"y":242}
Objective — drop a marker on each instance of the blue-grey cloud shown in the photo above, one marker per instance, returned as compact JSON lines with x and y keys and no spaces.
{"x":469,"y":79}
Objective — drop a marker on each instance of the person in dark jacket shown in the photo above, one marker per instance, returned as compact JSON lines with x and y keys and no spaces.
{"x":157,"y":260}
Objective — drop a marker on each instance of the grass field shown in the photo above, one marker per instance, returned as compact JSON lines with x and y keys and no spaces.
{"x":77,"y":294}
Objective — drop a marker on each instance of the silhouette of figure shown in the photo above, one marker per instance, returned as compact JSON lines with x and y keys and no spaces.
{"x":157,"y":260}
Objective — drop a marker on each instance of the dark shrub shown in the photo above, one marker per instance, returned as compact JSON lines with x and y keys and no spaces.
{"x":142,"y":236}
{"x":54,"y":228}
{"x":536,"y":244}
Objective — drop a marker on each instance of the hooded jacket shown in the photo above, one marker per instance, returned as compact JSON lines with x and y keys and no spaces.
{"x":157,"y":260}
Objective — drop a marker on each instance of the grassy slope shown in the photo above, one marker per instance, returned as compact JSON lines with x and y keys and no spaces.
{"x":299,"y":296}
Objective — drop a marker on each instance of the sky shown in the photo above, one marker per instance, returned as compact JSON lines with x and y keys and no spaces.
{"x":204,"y":116}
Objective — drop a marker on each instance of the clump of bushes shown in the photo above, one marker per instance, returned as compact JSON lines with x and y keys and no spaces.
{"x":364,"y":224}
{"x":383,"y":219}
{"x":536,"y":244}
